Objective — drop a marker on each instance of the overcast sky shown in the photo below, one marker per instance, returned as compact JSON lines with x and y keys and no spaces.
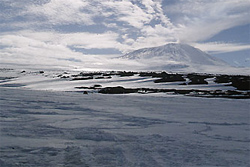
{"x":75,"y":31}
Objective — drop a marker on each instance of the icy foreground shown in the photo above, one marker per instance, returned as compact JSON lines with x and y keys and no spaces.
{"x":42,"y":128}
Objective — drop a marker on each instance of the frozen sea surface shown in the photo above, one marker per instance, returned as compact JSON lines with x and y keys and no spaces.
{"x":69,"y":129}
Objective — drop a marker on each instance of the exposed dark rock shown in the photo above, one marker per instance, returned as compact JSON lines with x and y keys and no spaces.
{"x":107,"y":74}
{"x":84,"y":78}
{"x":164,"y":77}
{"x":64,"y":77}
{"x":223,"y":79}
{"x":82,"y":87}
{"x":233,"y":92}
{"x":99,"y":78}
{"x":170,"y":78}
{"x":223,"y":94}
{"x":92,"y":87}
{"x":126,"y":74}
{"x":153,"y":74}
{"x":97,"y":86}
{"x":241,"y":82}
{"x":197,"y":82}
{"x":117,"y":90}
{"x":102,"y":77}
{"x":110,"y":73}
{"x":192,"y":92}
{"x":183,"y":91}
{"x":197,"y":79}
{"x":238,"y":81}
{"x":90,"y":74}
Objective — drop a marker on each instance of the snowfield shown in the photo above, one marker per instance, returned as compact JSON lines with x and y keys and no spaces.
{"x":41,"y":125}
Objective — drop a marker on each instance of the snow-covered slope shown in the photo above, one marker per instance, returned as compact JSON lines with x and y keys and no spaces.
{"x":174,"y":56}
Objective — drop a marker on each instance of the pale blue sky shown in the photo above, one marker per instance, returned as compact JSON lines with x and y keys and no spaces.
{"x":239,"y":34}
{"x":48,"y":31}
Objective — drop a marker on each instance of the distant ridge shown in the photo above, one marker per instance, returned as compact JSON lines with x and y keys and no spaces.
{"x":175,"y":54}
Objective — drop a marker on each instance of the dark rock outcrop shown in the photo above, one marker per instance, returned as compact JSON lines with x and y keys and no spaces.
{"x":117,"y":90}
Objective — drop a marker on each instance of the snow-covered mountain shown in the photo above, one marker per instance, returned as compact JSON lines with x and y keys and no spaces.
{"x":174,"y":56}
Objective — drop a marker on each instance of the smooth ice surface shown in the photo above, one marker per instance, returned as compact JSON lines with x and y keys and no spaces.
{"x":43,"y":128}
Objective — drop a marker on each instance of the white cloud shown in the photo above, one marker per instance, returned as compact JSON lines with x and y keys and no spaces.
{"x":53,"y":49}
{"x":84,"y":39}
{"x":29,"y":47}
{"x":133,"y":13}
{"x":62,"y":11}
{"x":152,"y":36}
{"x":150,"y":5}
{"x":128,"y":12}
{"x":138,"y":18}
{"x":25,"y":49}
{"x":216,"y":47}
{"x":200,"y":20}
{"x":90,"y":41}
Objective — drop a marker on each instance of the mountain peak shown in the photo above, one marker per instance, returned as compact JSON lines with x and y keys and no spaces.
{"x":180,"y":54}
